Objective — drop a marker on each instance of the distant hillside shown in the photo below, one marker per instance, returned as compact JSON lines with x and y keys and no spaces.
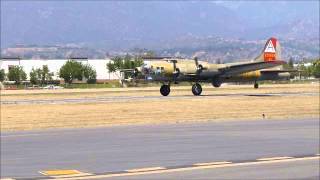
{"x":122,"y":25}
{"x":228,"y":50}
{"x":208,"y":48}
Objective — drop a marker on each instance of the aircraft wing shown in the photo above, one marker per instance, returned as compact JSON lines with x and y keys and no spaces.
{"x":234,"y":69}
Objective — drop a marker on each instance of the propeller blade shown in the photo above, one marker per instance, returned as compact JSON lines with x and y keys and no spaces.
{"x":175,"y":71}
{"x":174,"y":66}
{"x":196,"y":61}
{"x":199,"y":66}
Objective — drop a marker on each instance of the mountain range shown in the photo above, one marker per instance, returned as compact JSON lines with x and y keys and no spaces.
{"x":127,"y":24}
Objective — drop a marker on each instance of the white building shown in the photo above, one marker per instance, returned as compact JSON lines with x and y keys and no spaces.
{"x":305,"y":64}
{"x":54,"y":65}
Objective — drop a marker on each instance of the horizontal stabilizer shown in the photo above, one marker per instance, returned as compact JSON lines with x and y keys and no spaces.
{"x":278,"y":71}
{"x":249,"y":66}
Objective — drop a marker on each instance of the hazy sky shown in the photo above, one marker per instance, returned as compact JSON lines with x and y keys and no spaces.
{"x":48,"y":22}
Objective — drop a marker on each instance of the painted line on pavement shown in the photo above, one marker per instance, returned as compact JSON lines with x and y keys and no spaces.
{"x":145,"y":169}
{"x":60,"y":172}
{"x":64,"y":173}
{"x":73,"y":175}
{"x":274,"y":158}
{"x":212,"y":163}
{"x":189,"y":168}
{"x":77,"y":175}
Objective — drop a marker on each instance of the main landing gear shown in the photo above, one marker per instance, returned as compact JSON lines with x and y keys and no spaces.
{"x":165,"y":90}
{"x":256,"y":85}
{"x":196,"y":89}
{"x":216,"y":82}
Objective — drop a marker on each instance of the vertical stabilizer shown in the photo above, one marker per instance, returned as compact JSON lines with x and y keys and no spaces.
{"x":271,"y":51}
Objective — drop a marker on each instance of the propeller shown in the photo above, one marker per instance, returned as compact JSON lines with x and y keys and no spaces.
{"x":199,"y":66}
{"x":135,"y":72}
{"x":176,"y":71}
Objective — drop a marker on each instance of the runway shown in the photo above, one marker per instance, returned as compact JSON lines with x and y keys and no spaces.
{"x":304,"y":169}
{"x":107,"y":99}
{"x":99,"y":151}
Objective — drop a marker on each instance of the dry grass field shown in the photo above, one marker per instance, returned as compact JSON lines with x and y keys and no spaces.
{"x":219,"y":107}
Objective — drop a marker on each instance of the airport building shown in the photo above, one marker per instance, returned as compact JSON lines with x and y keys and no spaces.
{"x":54,"y":66}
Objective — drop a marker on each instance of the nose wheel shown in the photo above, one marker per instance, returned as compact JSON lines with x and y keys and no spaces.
{"x":165,"y":90}
{"x":196,"y":89}
{"x":256,"y":85}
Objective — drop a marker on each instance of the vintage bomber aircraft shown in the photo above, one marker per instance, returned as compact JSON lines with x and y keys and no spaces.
{"x":173,"y":70}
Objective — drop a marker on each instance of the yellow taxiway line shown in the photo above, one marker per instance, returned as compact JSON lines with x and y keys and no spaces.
{"x":64,"y":173}
{"x":60,"y":172}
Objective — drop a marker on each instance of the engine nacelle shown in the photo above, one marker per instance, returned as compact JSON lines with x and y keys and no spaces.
{"x":136,"y":71}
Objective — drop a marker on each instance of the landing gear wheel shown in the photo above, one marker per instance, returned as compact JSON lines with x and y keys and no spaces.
{"x":216,"y":83}
{"x":165,"y":90}
{"x":196,"y":89}
{"x":256,"y":85}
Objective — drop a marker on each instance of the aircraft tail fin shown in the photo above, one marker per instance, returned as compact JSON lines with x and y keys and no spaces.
{"x":271,"y":51}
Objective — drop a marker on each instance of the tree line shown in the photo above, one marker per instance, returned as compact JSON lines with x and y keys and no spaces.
{"x":305,"y":71}
{"x":73,"y":70}
{"x":70,"y":71}
{"x":122,"y":63}
{"x":128,"y":62}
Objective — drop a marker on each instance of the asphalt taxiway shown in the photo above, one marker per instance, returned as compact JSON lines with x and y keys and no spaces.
{"x":290,"y":169}
{"x":244,"y":149}
{"x":105,"y":99}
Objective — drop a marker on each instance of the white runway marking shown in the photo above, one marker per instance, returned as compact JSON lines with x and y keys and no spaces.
{"x":273,"y":158}
{"x":145,"y":169}
{"x":212,"y":163}
{"x":168,"y":170}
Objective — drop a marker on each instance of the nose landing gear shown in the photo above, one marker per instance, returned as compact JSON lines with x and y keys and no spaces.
{"x":196,"y":89}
